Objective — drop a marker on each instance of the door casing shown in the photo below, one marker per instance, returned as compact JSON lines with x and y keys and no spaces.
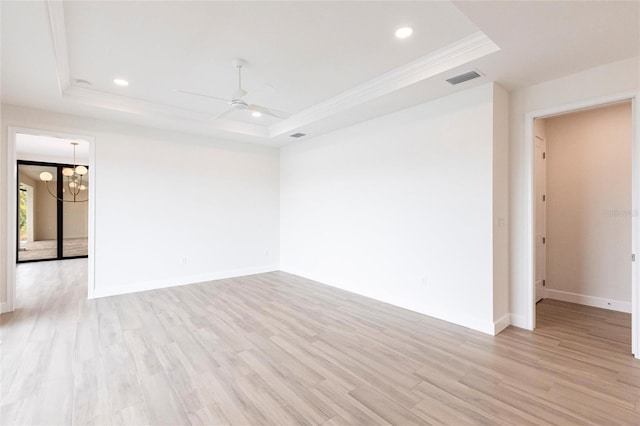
{"x":635,"y":202}
{"x":12,"y":177}
{"x":541,"y":215}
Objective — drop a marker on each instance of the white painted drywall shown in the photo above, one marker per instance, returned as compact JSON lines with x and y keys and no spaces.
{"x":401,"y":208}
{"x":162,"y":196}
{"x":607,"y":80}
{"x":501,"y":314}
{"x":589,"y":204}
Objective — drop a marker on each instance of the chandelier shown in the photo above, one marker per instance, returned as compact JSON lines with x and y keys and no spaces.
{"x":73,"y":180}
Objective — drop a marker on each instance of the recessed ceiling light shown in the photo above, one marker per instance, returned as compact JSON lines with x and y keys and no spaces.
{"x":256,"y":114}
{"x":404,"y":32}
{"x":120,"y":82}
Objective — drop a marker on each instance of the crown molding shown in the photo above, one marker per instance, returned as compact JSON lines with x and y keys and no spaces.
{"x":455,"y":54}
{"x":144,"y":108}
{"x":127,"y":104}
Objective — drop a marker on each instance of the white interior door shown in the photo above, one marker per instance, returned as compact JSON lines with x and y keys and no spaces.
{"x":541,"y":215}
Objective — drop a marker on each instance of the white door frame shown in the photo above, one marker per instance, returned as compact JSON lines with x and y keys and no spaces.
{"x":12,"y":178}
{"x":635,"y":201}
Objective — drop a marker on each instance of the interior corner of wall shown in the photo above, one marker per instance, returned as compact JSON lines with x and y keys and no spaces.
{"x":501,"y":323}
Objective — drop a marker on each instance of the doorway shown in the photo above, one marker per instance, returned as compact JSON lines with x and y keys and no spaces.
{"x":51,"y":149}
{"x":584,"y":217}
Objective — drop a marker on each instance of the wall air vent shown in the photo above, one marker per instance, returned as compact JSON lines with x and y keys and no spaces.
{"x":298,"y":135}
{"x":464,"y":77}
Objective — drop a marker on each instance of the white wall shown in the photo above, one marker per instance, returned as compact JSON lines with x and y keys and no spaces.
{"x":589,"y":207}
{"x":162,"y":196}
{"x":501,"y":313}
{"x":401,"y":208}
{"x":616,"y":78}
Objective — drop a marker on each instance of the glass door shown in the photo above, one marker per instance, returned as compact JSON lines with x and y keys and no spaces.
{"x":53,"y":215}
{"x":75,"y":224}
{"x":37,"y":215}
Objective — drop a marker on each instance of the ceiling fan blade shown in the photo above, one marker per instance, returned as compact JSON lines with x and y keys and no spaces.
{"x":187,"y":92}
{"x":239,"y":93}
{"x":268,"y":111}
{"x":257,"y":95}
{"x":224,"y":113}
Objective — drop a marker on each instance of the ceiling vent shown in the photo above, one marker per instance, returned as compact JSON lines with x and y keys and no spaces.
{"x":298,"y":135}
{"x":464,"y":77}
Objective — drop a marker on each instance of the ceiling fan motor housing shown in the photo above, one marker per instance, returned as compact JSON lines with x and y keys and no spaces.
{"x":239,"y":104}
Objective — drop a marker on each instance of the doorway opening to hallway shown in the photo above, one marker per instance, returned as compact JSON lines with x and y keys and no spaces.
{"x":583,"y":208}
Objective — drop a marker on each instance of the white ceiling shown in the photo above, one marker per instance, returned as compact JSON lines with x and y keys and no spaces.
{"x":328,"y":64}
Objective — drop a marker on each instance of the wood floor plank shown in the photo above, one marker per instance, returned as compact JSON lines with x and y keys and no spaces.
{"x":161,"y":401}
{"x":350,"y":410}
{"x":384,"y":407}
{"x":274,"y":348}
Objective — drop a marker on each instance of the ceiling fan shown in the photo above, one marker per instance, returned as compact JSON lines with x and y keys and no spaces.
{"x":238,"y":101}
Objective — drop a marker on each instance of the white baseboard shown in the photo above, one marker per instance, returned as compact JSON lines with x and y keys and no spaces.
{"x":583,"y":299}
{"x":434,"y":311}
{"x":458,"y":318}
{"x":502,"y":323}
{"x":4,"y":307}
{"x":520,"y":321}
{"x":173,"y":282}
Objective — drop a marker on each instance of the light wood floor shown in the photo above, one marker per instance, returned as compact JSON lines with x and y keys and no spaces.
{"x":278,"y":349}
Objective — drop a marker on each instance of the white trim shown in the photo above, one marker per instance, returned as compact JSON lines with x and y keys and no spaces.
{"x":458,"y":53}
{"x":153,"y":109}
{"x":529,"y":171}
{"x":4,"y":308}
{"x":635,"y":228}
{"x":415,"y":305}
{"x":457,"y":318}
{"x":91,"y":264}
{"x":529,"y":138}
{"x":12,"y":177}
{"x":502,"y":323}
{"x":583,"y":299}
{"x":519,"y":321}
{"x":179,"y":281}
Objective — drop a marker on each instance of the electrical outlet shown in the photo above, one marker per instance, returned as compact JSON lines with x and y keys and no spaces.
{"x":266,"y":252}
{"x":183,"y":260}
{"x":423,"y":280}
